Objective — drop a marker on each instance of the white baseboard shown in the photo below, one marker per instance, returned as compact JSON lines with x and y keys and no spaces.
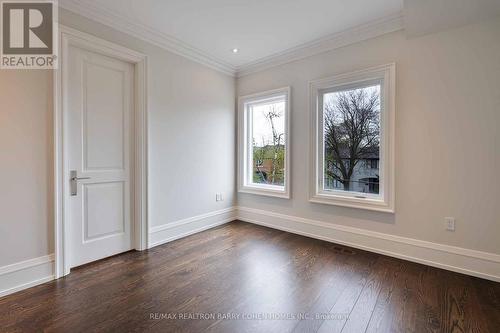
{"x":171,"y":231}
{"x":471,"y":262}
{"x":485,"y":265}
{"x":25,"y":274}
{"x":32,"y":272}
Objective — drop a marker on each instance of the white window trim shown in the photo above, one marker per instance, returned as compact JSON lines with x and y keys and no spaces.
{"x":384,"y":202}
{"x":262,"y":189}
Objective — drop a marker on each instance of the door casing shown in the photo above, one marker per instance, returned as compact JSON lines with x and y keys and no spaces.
{"x":139,"y":196}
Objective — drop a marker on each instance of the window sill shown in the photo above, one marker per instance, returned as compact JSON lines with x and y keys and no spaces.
{"x":378,"y":205}
{"x":265,"y":191}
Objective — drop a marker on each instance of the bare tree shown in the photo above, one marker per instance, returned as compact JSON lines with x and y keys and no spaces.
{"x":259,"y":157}
{"x":352,"y":130}
{"x":270,"y":115}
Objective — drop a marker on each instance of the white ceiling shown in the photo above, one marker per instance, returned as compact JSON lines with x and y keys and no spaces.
{"x":258,"y":28}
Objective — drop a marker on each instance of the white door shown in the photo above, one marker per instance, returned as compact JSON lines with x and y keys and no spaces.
{"x":99,"y":122}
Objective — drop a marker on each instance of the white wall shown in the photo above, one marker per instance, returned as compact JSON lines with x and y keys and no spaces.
{"x":191,"y":129}
{"x":191,"y":144}
{"x":26,"y":213}
{"x":447,"y":134}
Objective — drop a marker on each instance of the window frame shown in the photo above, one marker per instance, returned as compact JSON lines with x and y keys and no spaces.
{"x":384,"y":201}
{"x":244,"y":186}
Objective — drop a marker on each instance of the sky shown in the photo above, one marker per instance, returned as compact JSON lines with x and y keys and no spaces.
{"x":262,"y":133}
{"x":261,"y":125}
{"x":332,"y":97}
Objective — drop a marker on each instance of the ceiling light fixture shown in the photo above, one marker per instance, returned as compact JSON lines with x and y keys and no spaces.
{"x":235,"y":50}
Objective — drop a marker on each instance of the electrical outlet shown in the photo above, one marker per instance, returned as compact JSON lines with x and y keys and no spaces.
{"x":450,"y":223}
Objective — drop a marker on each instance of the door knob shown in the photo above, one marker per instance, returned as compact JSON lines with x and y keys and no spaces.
{"x":74,"y":182}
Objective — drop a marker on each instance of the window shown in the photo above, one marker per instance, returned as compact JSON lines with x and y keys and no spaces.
{"x":353,"y":133}
{"x":372,"y":163}
{"x":263,"y":145}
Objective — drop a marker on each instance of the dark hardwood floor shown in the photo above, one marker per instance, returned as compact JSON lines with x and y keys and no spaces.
{"x":271,"y":281}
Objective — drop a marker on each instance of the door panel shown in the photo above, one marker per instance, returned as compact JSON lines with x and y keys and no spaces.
{"x":100,"y":104}
{"x":103,"y":117}
{"x":103,"y":201}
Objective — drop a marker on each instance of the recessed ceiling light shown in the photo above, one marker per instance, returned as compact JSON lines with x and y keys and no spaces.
{"x":235,"y":50}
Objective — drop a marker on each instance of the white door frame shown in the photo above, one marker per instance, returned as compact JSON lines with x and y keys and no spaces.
{"x":139,"y":199}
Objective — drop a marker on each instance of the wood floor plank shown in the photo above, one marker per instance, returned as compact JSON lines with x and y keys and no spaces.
{"x":288,"y":279}
{"x":340,"y":277}
{"x":296,"y":283}
{"x":362,"y":311}
{"x":382,"y":310}
{"x":402,"y":316}
{"x":488,"y":297}
{"x":347,"y":300}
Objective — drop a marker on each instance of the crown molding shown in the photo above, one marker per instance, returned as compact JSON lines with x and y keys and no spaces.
{"x":353,"y":35}
{"x":337,"y":40}
{"x":153,"y":36}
